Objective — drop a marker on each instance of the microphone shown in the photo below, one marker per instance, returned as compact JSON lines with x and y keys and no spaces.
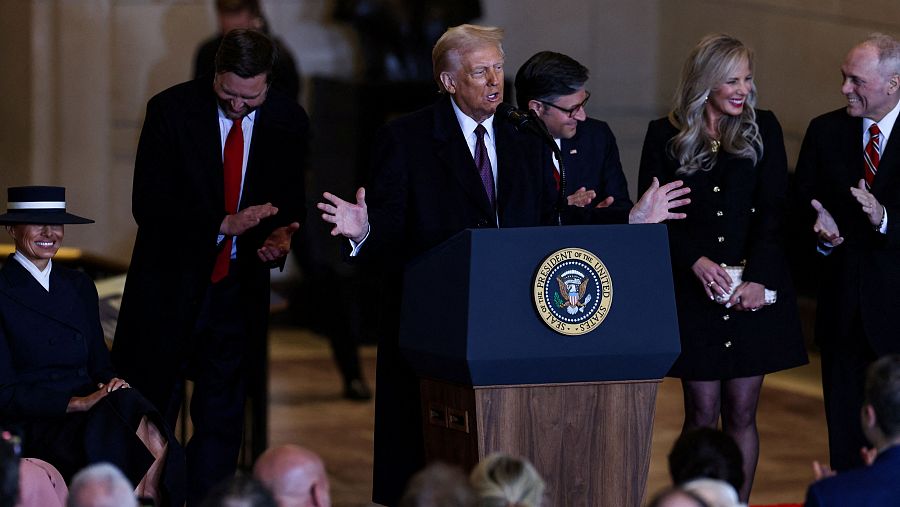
{"x":529,"y":121}
{"x":519,"y":119}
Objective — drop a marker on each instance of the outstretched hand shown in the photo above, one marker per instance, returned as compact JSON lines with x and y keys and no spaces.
{"x":350,"y":220}
{"x":825,"y":227}
{"x":658,"y":201}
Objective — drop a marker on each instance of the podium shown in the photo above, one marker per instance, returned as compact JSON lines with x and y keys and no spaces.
{"x":496,"y":378}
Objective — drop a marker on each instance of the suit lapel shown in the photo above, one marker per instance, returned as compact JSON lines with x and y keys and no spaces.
{"x":209,"y":141}
{"x":453,"y":151}
{"x":851,"y":150}
{"x":890,"y":159}
{"x":58,"y":304}
{"x":506,"y":170}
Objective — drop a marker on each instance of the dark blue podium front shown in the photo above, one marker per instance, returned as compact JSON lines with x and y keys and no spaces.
{"x":469,"y":316}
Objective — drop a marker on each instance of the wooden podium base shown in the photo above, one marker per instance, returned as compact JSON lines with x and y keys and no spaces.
{"x":589,"y":441}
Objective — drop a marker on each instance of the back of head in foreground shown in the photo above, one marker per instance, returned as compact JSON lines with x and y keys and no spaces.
{"x":101,"y":485}
{"x":295,"y":476}
{"x":714,"y":492}
{"x":438,"y":485}
{"x":881,"y":418}
{"x":501,"y":481}
{"x":239,"y":491}
{"x":706,"y":453}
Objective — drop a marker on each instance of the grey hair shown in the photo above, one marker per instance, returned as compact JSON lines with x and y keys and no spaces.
{"x":106,"y":479}
{"x":888,"y":49}
{"x":708,"y":65}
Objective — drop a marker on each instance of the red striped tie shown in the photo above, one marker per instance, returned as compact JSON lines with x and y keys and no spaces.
{"x":871,"y":156}
{"x":233,"y":162}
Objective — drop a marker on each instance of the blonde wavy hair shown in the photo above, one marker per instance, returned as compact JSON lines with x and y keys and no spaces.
{"x":712,"y":61}
{"x":500,"y":480}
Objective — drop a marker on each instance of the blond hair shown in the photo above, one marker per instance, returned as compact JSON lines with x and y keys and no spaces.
{"x":709,"y":64}
{"x":458,"y":40}
{"x":501,"y":480}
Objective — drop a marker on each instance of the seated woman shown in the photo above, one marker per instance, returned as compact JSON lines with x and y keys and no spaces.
{"x":56,"y":379}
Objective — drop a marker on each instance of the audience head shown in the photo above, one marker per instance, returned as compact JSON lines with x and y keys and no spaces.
{"x":101,"y":485}
{"x":9,"y":470}
{"x":233,"y":14}
{"x":714,"y":101}
{"x":468,"y":64}
{"x":714,"y":492}
{"x":295,"y":476}
{"x":881,"y":413}
{"x":675,"y":497}
{"x":240,"y":491}
{"x":706,"y":453}
{"x":500,"y":481}
{"x":438,"y":485}
{"x":552,"y":85}
{"x":871,"y":73}
{"x":244,"y":64}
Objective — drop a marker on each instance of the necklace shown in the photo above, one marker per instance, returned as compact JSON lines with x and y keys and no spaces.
{"x":714,"y":145}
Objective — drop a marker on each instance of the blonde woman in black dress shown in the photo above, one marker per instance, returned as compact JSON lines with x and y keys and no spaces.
{"x":732,"y":157}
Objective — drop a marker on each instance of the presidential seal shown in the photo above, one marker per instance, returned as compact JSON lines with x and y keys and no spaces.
{"x":572,"y":291}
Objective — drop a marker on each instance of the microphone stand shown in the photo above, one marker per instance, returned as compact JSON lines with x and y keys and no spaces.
{"x":545,"y":135}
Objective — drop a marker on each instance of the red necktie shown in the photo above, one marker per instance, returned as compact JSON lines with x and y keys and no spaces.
{"x":233,"y":162}
{"x":871,"y":156}
{"x":483,"y":163}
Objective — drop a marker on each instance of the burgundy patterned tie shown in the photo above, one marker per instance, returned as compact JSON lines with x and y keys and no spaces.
{"x":233,"y":162}
{"x":871,"y":156}
{"x":483,"y":162}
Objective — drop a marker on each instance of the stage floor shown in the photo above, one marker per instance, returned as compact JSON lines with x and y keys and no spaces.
{"x":307,"y":409}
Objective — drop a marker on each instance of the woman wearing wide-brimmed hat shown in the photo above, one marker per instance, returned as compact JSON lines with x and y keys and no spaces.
{"x":56,"y":379}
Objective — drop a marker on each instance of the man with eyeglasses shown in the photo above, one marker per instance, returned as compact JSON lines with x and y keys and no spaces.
{"x":552,"y":85}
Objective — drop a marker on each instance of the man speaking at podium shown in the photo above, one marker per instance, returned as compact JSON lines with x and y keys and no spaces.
{"x":451,"y":166}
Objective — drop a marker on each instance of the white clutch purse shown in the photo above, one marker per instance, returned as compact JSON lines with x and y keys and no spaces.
{"x":736,"y":273}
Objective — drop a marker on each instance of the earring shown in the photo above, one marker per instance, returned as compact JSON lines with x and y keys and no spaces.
{"x":706,"y":99}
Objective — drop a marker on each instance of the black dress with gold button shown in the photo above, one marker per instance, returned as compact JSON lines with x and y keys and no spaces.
{"x":734,"y":218}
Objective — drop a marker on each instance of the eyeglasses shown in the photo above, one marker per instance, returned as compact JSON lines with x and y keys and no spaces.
{"x":571,"y":111}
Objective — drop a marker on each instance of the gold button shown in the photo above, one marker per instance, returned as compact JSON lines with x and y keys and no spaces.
{"x":716,"y":188}
{"x":721,"y":239}
{"x":726,"y":317}
{"x":728,"y":344}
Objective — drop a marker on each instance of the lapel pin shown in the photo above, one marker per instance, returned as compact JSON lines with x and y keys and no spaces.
{"x":573,"y":151}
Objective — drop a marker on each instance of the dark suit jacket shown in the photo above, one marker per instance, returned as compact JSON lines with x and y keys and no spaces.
{"x":178,"y":204}
{"x":51,"y":343}
{"x":52,"y":349}
{"x":426,"y":189}
{"x":872,"y":486}
{"x":426,"y":186}
{"x":591,"y":160}
{"x":862,"y":275}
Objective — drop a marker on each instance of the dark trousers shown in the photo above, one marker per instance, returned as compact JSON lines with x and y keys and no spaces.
{"x":216,"y":364}
{"x":844,"y":365}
